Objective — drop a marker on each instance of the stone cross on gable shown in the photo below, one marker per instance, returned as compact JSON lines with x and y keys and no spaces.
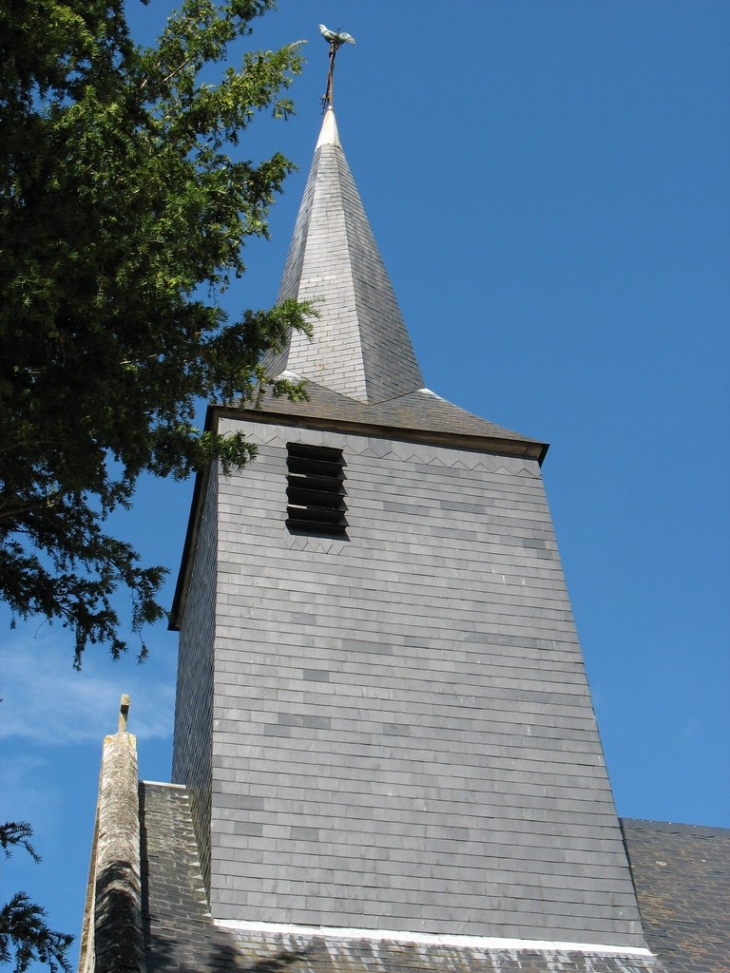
{"x":123,"y":713}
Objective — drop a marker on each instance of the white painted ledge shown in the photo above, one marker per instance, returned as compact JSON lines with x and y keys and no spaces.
{"x":432,"y":939}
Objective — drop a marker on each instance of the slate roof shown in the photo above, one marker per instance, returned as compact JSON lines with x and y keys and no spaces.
{"x":359,"y":366}
{"x":360,"y":344}
{"x":682,"y":878}
{"x":420,"y":415}
{"x":181,"y":936}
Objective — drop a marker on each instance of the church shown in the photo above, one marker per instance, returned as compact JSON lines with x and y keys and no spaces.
{"x":385,"y":751}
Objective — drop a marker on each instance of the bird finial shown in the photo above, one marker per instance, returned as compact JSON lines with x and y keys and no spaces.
{"x":335,"y":39}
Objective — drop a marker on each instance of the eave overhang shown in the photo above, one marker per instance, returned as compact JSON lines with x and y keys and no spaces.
{"x":301,"y":416}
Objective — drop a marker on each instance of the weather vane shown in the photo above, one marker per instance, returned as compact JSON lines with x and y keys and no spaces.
{"x":335,"y":39}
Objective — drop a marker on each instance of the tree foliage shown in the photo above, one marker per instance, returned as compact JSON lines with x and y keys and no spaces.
{"x":24,"y":935}
{"x":123,"y":209}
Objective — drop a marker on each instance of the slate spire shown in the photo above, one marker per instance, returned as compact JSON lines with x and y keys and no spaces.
{"x":360,"y":346}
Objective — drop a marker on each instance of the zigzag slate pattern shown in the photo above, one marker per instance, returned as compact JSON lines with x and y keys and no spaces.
{"x":416,"y":415}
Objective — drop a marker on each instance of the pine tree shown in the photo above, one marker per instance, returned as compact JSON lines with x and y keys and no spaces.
{"x":122,"y":216}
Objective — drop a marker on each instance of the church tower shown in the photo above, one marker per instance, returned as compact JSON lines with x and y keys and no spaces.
{"x":383,"y":720}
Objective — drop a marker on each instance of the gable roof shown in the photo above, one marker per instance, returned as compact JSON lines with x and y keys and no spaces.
{"x":147,"y":897}
{"x":180,"y":934}
{"x":682,"y":878}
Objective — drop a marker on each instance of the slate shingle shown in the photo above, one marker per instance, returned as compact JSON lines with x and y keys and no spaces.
{"x":419,"y":414}
{"x":451,"y":765}
{"x":360,"y":345}
{"x":682,"y":878}
{"x":181,"y":937}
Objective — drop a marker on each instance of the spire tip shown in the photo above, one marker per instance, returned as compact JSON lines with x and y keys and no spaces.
{"x":329,"y":134}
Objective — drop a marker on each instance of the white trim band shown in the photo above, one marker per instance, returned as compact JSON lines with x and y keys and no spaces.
{"x":431,"y":939}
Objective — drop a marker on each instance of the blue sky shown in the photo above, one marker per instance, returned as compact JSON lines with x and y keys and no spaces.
{"x":549,"y":183}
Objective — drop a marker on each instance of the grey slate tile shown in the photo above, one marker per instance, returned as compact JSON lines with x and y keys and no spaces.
{"x":446,"y":538}
{"x":181,"y":937}
{"x":682,"y":878}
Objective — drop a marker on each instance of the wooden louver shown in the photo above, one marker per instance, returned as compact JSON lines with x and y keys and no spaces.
{"x":315,"y":490}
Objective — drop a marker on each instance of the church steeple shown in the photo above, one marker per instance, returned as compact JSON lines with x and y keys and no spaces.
{"x":360,"y":346}
{"x":383,"y":720}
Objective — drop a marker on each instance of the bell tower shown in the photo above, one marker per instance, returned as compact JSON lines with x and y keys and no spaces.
{"x":383,"y":719}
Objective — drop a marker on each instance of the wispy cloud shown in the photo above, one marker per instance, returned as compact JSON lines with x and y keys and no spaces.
{"x":45,"y":701}
{"x":28,"y":793}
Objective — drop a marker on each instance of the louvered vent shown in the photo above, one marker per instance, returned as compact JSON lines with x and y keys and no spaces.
{"x":316,"y":490}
